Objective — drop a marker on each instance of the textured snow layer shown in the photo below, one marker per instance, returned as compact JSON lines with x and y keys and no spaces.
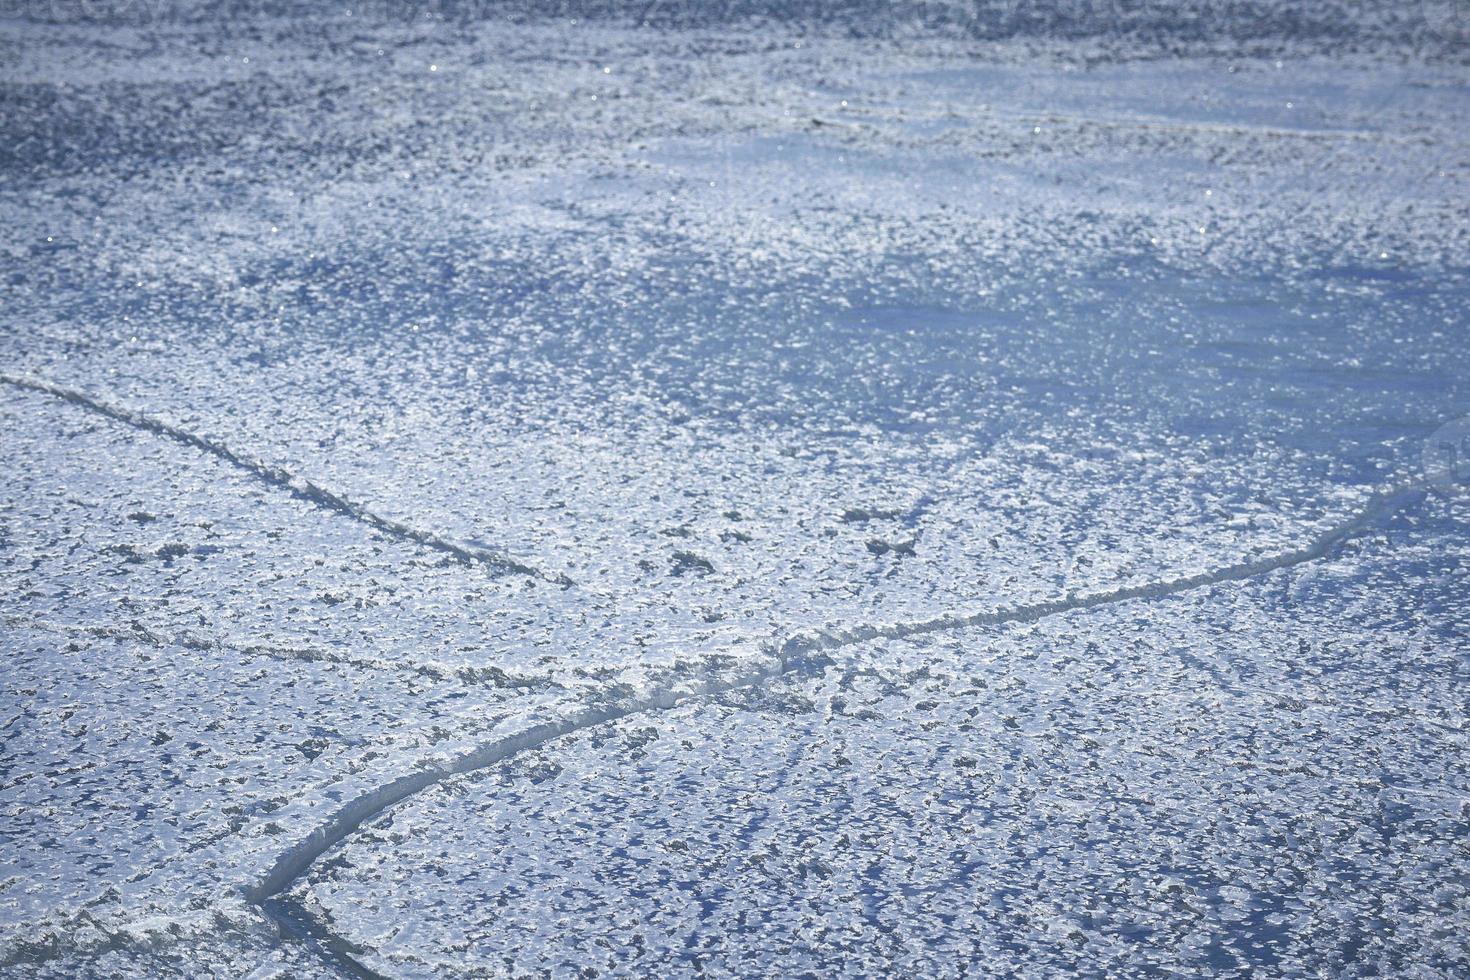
{"x":750,"y":488}
{"x":1221,"y":781}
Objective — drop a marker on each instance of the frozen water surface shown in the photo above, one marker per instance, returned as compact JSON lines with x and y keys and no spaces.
{"x":836,"y":490}
{"x":1220,"y":781}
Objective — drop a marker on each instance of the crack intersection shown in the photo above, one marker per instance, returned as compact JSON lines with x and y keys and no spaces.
{"x":803,"y":654}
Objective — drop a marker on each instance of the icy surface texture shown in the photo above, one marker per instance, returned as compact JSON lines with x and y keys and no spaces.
{"x":428,"y":435}
{"x":1217,"y":782}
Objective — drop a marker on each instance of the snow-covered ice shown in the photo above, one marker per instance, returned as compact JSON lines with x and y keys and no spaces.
{"x":1219,"y":782}
{"x":517,"y":489}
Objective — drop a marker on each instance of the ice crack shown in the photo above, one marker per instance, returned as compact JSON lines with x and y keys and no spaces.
{"x":284,"y":479}
{"x":1379,"y":506}
{"x":440,"y":672}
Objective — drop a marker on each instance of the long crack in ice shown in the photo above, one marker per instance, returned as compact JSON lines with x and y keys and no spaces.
{"x":286,"y":480}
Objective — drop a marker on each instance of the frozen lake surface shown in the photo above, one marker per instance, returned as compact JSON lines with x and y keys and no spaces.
{"x":841,"y":490}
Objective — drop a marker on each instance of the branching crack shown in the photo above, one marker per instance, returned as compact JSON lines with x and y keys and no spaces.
{"x":807,"y":654}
